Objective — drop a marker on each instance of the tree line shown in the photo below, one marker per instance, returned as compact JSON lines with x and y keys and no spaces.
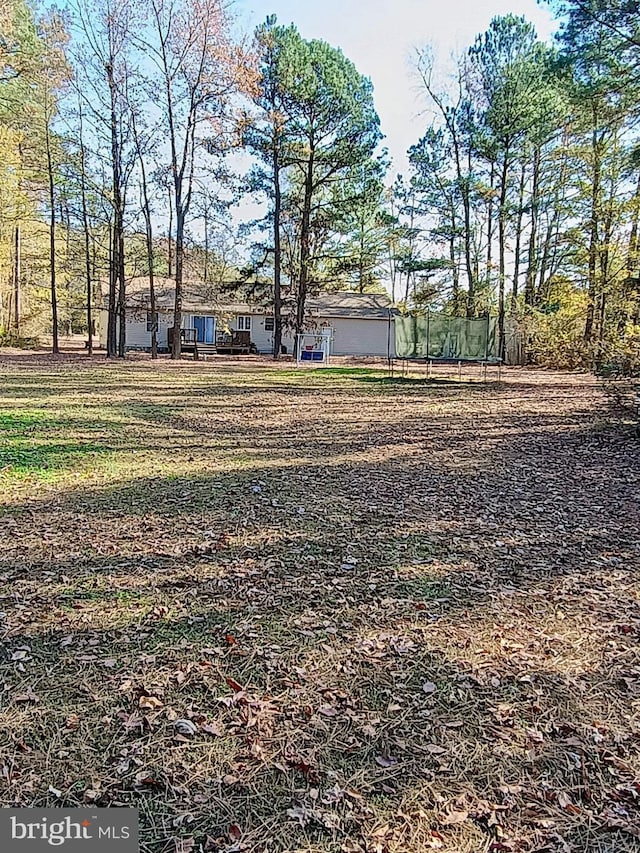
{"x":123,"y":126}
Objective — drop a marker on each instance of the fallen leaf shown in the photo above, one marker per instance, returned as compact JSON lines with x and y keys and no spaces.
{"x":28,"y":696}
{"x":257,"y":751}
{"x":618,"y":818}
{"x":185,"y":727}
{"x":149,"y":703}
{"x":301,"y":814}
{"x":386,"y":760}
{"x":20,"y":654}
{"x":214,"y":729}
{"x":510,"y":789}
{"x":144,"y":779}
{"x":72,"y":722}
{"x":454,"y":816}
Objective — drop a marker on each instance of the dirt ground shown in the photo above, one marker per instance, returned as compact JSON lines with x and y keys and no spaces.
{"x":321,"y":610}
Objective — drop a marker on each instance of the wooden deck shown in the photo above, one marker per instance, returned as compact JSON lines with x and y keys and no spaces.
{"x":236,"y":343}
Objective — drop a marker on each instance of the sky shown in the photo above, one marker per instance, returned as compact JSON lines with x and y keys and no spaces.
{"x":381,"y":38}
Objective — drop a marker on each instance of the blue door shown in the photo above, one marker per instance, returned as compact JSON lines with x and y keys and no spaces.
{"x":198,"y":325}
{"x":205,"y":329}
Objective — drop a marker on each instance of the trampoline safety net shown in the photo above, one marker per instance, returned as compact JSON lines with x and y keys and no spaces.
{"x":440,"y":336}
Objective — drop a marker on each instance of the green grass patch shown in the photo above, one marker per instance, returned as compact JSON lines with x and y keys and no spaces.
{"x":26,"y":456}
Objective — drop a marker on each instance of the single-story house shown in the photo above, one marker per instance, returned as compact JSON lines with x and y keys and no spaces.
{"x":358,"y":323}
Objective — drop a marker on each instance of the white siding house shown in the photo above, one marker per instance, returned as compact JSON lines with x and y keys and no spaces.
{"x":360,"y":323}
{"x":361,"y":337}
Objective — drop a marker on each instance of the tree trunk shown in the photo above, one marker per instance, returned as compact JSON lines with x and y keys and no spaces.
{"x":176,"y":349}
{"x":548,"y":263}
{"x":450,"y":116}
{"x":463,"y":182}
{"x":150,"y":265}
{"x":466,"y":202}
{"x":455,"y":295}
{"x":593,"y":236}
{"x":516,"y":258}
{"x":16,"y":279}
{"x":65,"y":217}
{"x":530,"y":281}
{"x":361,"y":236}
{"x":122,"y":311}
{"x":391,"y":246}
{"x":277,"y":256}
{"x":152,"y":288}
{"x":111,"y":320}
{"x":87,"y":253}
{"x":170,"y":232}
{"x":605,"y":262}
{"x":205,"y":273}
{"x":305,"y":248}
{"x":85,"y":228}
{"x":544,"y":262}
{"x":501,"y":249}
{"x":146,"y":212}
{"x":601,"y":318}
{"x":455,"y":292}
{"x":52,"y":242}
{"x":116,"y":282}
{"x":407,"y":289}
{"x":492,"y":176}
{"x":632,"y":253}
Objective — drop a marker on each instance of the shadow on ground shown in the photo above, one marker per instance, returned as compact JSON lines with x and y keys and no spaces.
{"x":388,"y":629}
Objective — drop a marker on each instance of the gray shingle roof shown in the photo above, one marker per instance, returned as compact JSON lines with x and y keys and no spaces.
{"x":197,"y":297}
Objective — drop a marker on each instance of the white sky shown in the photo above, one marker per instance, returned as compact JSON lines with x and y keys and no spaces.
{"x":381,"y":37}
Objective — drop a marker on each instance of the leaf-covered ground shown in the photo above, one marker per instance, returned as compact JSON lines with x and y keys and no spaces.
{"x":321,"y":611}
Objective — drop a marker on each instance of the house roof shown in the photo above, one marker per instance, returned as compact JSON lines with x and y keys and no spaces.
{"x":365,"y":306}
{"x":205,"y":298}
{"x":195,"y":297}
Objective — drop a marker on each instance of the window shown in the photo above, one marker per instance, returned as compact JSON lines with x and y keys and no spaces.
{"x":269,"y":324}
{"x":150,"y":321}
{"x":244,"y":324}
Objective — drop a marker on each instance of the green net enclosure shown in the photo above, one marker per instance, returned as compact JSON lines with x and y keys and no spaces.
{"x":440,"y":336}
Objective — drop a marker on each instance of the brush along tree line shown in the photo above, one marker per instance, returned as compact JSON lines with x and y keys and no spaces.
{"x":126,"y":129}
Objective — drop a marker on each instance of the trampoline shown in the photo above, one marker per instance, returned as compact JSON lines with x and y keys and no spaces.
{"x":429,"y":338}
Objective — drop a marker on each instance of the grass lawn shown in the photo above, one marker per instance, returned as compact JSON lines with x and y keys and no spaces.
{"x":320,"y":611}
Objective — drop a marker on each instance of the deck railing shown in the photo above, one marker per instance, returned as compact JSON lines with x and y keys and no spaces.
{"x":187,"y":336}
